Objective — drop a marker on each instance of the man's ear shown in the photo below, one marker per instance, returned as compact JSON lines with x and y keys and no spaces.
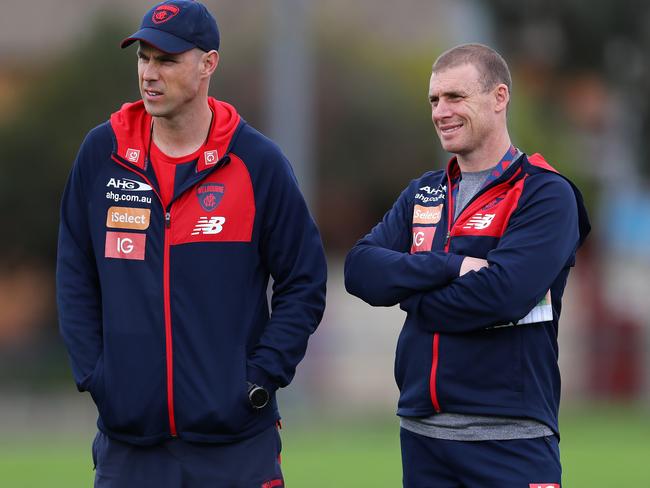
{"x":209,"y":62}
{"x":502,"y":97}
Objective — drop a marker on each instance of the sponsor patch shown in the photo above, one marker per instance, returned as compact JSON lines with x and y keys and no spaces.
{"x":209,"y":226}
{"x":210,"y":195}
{"x":434,"y":191}
{"x":125,"y":245}
{"x":132,"y":155}
{"x":422,"y":239}
{"x":127,"y":197}
{"x":211,"y":158}
{"x":127,"y":184}
{"x":428,"y":194}
{"x":163,"y":13}
{"x":128,"y":218}
{"x":427,"y":215}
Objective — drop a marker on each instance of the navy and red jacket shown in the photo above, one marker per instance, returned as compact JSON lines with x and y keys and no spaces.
{"x":484,"y":343}
{"x":164,"y":311}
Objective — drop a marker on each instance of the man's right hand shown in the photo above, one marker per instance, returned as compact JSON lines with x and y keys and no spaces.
{"x":472,"y":264}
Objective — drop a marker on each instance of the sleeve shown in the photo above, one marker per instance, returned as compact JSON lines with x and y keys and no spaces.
{"x":380,"y":270}
{"x":292,"y":250}
{"x":540,"y":241}
{"x":77,"y":283}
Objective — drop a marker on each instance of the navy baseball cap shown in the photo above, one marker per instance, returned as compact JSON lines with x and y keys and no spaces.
{"x":176,"y":26}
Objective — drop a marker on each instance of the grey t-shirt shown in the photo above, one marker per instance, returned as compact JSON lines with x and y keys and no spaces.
{"x":460,"y":427}
{"x":469,"y":186}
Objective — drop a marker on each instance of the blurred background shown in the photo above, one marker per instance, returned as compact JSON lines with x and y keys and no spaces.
{"x":342,"y":87}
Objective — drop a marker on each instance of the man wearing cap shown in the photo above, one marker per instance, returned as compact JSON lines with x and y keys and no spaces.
{"x":175,"y":215}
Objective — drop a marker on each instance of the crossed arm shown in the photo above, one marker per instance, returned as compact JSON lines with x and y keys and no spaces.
{"x":445,"y":296}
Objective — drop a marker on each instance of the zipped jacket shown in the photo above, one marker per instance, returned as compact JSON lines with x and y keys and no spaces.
{"x":164,"y":311}
{"x":484,"y":343}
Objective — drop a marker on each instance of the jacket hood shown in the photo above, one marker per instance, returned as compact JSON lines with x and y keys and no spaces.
{"x":132,"y":131}
{"x":583,"y":219}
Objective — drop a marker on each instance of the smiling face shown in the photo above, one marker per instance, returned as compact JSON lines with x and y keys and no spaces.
{"x":469,"y":119}
{"x":170,"y":83}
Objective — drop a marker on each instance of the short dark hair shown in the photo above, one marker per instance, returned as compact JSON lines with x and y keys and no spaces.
{"x":492,"y":68}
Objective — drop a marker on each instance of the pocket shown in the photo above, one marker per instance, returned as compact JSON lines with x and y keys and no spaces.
{"x":481,"y":368}
{"x":413,"y":362}
{"x":553,"y":446}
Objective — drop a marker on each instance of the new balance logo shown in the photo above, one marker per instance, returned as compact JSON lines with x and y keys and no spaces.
{"x":479,"y":221}
{"x":209,"y":226}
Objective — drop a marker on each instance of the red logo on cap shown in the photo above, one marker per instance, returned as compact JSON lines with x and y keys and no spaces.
{"x":163,"y":13}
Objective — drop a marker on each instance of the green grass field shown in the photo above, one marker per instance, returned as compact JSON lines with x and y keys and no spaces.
{"x":601,"y":447}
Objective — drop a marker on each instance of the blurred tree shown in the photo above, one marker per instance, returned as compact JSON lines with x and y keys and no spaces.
{"x":610,"y":40}
{"x":69,"y":96}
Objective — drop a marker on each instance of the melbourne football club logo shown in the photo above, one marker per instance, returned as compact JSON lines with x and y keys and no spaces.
{"x":163,"y":13}
{"x":210,"y":195}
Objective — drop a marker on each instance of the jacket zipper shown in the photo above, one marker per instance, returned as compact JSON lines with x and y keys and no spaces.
{"x":433,"y":387}
{"x":435,"y":356}
{"x":168,"y":325}
{"x":167,"y":304}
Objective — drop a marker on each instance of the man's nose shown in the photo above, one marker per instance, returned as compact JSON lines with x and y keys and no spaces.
{"x":440,"y":110}
{"x":150,"y":72}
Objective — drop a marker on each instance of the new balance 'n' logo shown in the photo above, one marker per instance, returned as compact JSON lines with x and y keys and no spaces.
{"x":479,"y":221}
{"x":209,"y":226}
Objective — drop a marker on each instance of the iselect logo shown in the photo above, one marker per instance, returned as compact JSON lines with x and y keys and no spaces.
{"x":128,"y":218}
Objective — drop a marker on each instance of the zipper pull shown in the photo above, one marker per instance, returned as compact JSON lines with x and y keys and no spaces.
{"x":168,"y":219}
{"x":447,"y":237}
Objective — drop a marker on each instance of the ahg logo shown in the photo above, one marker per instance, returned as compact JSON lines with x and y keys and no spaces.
{"x":432,"y":194}
{"x":127,"y":184}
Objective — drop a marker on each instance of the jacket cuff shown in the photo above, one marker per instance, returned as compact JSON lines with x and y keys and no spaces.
{"x":259,"y":377}
{"x":453,"y":266}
